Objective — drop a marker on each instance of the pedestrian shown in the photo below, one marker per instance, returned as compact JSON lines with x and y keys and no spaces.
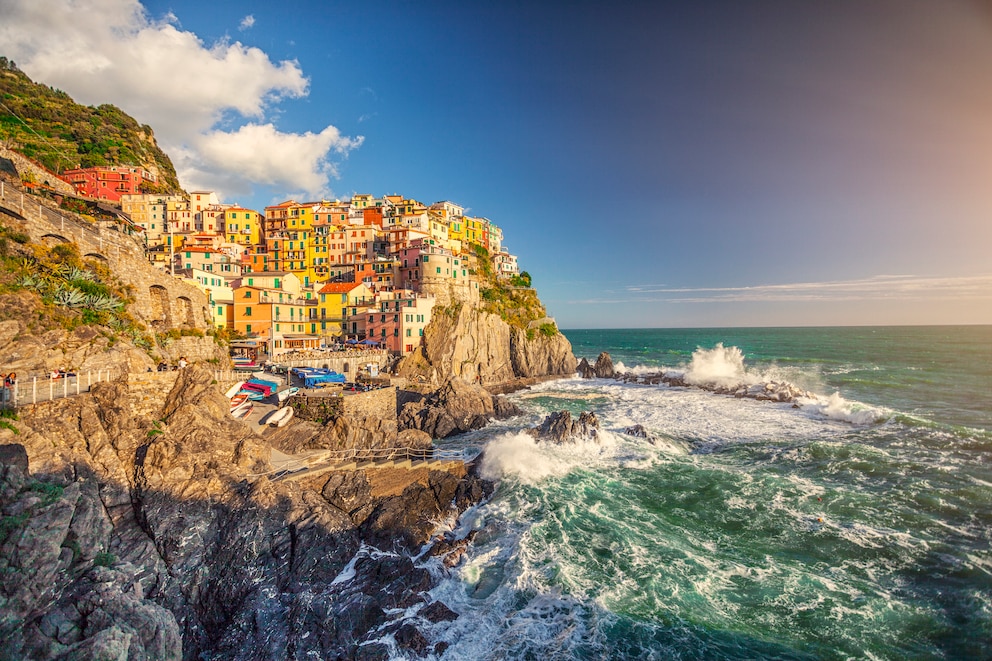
{"x":182,"y":362}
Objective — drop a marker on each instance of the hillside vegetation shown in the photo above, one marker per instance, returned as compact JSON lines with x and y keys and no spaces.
{"x":514,"y":300}
{"x":46,"y":125}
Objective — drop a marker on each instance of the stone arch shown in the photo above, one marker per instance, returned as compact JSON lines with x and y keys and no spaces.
{"x":96,"y":255}
{"x":186,"y":312}
{"x":346,"y":368}
{"x":56,"y":238}
{"x":161,"y":313}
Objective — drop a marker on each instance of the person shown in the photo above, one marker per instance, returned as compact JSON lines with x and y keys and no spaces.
{"x":182,"y":362}
{"x":10,"y":380}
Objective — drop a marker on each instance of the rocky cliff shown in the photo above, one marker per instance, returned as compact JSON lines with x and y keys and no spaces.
{"x":143,"y":525}
{"x":465,"y":342}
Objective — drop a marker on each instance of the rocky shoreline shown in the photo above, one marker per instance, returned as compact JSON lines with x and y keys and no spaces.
{"x":141,"y":531}
{"x":767,"y":391}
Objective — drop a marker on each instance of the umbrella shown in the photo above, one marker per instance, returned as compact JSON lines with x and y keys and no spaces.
{"x":351,"y":341}
{"x":369,"y":342}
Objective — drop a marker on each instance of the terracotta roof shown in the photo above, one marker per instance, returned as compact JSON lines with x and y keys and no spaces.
{"x":338,"y":287}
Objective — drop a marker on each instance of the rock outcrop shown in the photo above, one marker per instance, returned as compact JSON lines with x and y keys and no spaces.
{"x":454,"y":408}
{"x":766,"y":391}
{"x":604,"y":366}
{"x":464,"y":342}
{"x":152,"y":531}
{"x":559,"y":427}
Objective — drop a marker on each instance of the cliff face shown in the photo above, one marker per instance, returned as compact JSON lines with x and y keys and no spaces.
{"x":139,"y":523}
{"x":464,"y":342}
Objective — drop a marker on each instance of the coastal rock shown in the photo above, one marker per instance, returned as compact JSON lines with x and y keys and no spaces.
{"x":464,"y":342}
{"x":637,"y":431}
{"x":604,"y":366}
{"x":558,"y":427}
{"x":585,"y":370}
{"x":454,"y":408}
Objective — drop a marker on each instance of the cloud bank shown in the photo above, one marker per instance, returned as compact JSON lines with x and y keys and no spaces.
{"x":208,"y":103}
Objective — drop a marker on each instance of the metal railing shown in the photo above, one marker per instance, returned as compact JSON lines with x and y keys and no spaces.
{"x":37,"y":389}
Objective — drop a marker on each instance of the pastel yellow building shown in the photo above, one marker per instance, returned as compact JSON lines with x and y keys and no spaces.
{"x":242,"y":226}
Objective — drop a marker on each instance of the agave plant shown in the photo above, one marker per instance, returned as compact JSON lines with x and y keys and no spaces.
{"x":101,"y":303}
{"x":70,"y":298}
{"x":33,"y":282}
{"x":70,"y":273}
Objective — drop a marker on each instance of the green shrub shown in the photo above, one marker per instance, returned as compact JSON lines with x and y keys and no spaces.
{"x":104,"y":559}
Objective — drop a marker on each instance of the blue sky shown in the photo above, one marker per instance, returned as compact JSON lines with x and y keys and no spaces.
{"x":652,"y":164}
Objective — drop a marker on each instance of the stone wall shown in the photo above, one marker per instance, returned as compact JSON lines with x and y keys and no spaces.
{"x":161,"y":301}
{"x":29,"y":170}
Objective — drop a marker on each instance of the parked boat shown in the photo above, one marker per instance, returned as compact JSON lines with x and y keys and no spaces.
{"x":234,"y":389}
{"x":283,"y":395}
{"x":254,"y":395}
{"x":238,"y":399}
{"x":243,"y":411}
{"x":281,"y":417}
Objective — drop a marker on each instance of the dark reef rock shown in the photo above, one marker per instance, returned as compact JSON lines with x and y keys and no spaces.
{"x":559,"y":427}
{"x":585,"y":370}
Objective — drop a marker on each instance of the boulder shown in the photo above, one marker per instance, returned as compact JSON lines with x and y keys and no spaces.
{"x":559,"y":427}
{"x":456,"y":407}
{"x":585,"y":370}
{"x":604,"y":366}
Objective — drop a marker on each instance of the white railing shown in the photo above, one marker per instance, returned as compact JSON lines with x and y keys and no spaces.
{"x":37,"y":389}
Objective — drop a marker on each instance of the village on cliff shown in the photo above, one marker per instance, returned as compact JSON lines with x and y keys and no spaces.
{"x":307,"y":274}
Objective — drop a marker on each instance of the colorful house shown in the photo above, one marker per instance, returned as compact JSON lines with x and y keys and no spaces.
{"x":397,"y":322}
{"x":108,"y":182}
{"x":332,"y":300}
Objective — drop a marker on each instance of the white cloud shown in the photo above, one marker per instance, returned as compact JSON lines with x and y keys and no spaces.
{"x":877,"y":288}
{"x":111,"y":51}
{"x":247,"y":22}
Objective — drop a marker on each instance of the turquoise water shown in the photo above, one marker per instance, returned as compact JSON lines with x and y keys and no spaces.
{"x":858,"y":525}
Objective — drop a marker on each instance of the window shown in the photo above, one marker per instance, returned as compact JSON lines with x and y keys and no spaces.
{"x":248,"y":328}
{"x":247,"y":312}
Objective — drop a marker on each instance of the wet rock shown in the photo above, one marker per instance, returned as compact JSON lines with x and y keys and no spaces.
{"x":585,"y":370}
{"x":637,"y":431}
{"x":558,"y":427}
{"x":437,"y":611}
{"x":409,"y":637}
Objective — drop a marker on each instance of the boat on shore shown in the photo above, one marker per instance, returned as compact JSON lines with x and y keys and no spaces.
{"x":234,"y":389}
{"x":280,"y":417}
{"x":244,"y":410}
{"x":283,"y":395}
{"x":238,"y":399}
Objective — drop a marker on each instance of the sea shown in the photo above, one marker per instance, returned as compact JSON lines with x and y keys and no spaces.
{"x":855,"y":523}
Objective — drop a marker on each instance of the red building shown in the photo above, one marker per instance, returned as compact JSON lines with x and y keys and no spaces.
{"x":108,"y":182}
